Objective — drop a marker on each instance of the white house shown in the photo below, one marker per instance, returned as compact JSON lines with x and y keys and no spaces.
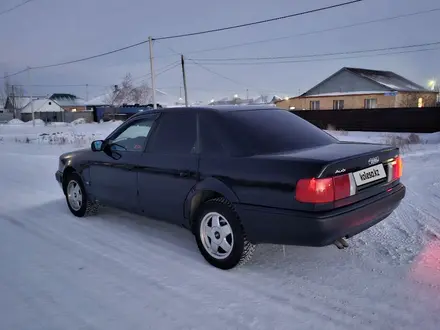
{"x":44,"y":109}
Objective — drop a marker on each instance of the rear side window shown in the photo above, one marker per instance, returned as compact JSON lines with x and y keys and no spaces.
{"x":271,"y":131}
{"x":176,"y":134}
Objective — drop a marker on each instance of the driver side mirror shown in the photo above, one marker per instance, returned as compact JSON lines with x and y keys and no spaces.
{"x":98,"y":145}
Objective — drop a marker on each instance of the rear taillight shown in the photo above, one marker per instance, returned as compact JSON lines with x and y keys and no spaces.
{"x":395,"y":169}
{"x":315,"y":190}
{"x":326,"y":190}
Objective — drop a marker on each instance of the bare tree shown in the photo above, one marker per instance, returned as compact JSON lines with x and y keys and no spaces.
{"x":4,"y":92}
{"x":411,"y":100}
{"x":14,"y":93}
{"x":127,"y":93}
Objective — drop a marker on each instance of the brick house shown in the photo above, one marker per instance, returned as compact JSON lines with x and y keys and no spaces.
{"x":353,"y":88}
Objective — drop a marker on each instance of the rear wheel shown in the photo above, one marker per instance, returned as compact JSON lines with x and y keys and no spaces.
{"x":76,"y":197}
{"x":220,"y":236}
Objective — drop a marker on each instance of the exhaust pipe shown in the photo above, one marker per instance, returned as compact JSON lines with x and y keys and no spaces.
{"x":341,"y":243}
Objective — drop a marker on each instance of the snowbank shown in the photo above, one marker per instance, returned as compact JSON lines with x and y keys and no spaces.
{"x":79,"y":133}
{"x":433,"y":138}
{"x":15,"y":122}
{"x":384,"y":137}
{"x":56,"y":133}
{"x":79,"y":121}
{"x":38,"y":122}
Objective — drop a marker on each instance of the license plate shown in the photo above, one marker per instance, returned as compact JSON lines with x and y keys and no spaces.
{"x":370,"y":174}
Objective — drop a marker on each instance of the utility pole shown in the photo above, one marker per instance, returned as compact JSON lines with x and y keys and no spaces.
{"x":153,"y":78}
{"x":87,"y":96}
{"x":31,"y":97}
{"x":182,"y":60}
{"x":247,"y":94}
{"x":14,"y":107}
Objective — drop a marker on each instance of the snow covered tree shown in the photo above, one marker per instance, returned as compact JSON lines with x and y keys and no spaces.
{"x":128,"y":93}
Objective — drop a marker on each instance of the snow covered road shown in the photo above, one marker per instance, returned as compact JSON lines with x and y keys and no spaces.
{"x":120,"y":271}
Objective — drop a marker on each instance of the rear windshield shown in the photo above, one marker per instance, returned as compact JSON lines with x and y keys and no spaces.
{"x":272,"y":130}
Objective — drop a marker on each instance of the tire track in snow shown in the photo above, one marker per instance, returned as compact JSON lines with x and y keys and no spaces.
{"x":167,"y":255}
{"x":336,"y":306}
{"x":141,"y":268}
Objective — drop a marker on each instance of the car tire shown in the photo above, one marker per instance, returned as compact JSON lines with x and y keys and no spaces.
{"x":217,"y":225}
{"x":76,"y":197}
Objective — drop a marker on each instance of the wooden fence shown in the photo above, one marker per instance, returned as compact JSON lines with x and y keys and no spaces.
{"x":418,"y":120}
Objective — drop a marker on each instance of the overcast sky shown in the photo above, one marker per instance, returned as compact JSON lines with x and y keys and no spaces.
{"x":50,"y":31}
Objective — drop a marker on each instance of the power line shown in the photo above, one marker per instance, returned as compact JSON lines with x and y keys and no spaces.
{"x":14,"y":74}
{"x":218,"y":90}
{"x":15,"y":7}
{"x":322,"y":59}
{"x":162,"y":70}
{"x":90,"y":57}
{"x":311,"y":32}
{"x":315,"y":55}
{"x":225,"y":77}
{"x":216,"y":73}
{"x":61,"y":85}
{"x":190,"y":34}
{"x":167,"y":69}
{"x":231,"y":27}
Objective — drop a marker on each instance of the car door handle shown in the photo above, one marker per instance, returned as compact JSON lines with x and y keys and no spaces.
{"x":184,"y":174}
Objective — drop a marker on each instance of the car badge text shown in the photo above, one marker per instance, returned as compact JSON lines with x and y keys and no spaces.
{"x":373,"y":161}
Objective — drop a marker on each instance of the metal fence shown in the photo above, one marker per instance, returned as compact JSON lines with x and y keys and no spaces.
{"x":418,"y":120}
{"x":68,"y":116}
{"x":5,"y":117}
{"x":65,"y":116}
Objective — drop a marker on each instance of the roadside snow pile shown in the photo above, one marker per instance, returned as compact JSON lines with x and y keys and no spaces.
{"x":15,"y":122}
{"x":61,"y":133}
{"x":38,"y":122}
{"x":79,"y":121}
{"x":387,"y":138}
{"x":60,"y":138}
{"x":433,"y":138}
{"x":58,"y":124}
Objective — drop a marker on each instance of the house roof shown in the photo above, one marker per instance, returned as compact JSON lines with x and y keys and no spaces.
{"x":67,"y":100}
{"x":42,"y":105}
{"x":389,"y":80}
{"x":21,"y":101}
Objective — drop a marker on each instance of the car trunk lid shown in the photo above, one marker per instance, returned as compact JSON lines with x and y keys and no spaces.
{"x":369,"y":168}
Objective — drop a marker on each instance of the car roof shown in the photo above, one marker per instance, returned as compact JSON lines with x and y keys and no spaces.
{"x":214,"y":108}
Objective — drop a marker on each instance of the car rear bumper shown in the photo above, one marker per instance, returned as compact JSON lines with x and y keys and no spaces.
{"x":275,"y":226}
{"x":59,"y":178}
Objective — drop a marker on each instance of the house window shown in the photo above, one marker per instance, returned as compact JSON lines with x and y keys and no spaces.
{"x":338,"y":104}
{"x":314,"y":105}
{"x":370,"y":103}
{"x":420,"y":102}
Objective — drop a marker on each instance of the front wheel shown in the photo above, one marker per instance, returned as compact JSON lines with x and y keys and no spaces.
{"x":220,"y":236}
{"x":76,"y":197}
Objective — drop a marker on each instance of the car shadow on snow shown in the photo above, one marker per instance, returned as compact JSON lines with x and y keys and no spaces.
{"x":270,"y":260}
{"x":133,"y":226}
{"x":175,"y":237}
